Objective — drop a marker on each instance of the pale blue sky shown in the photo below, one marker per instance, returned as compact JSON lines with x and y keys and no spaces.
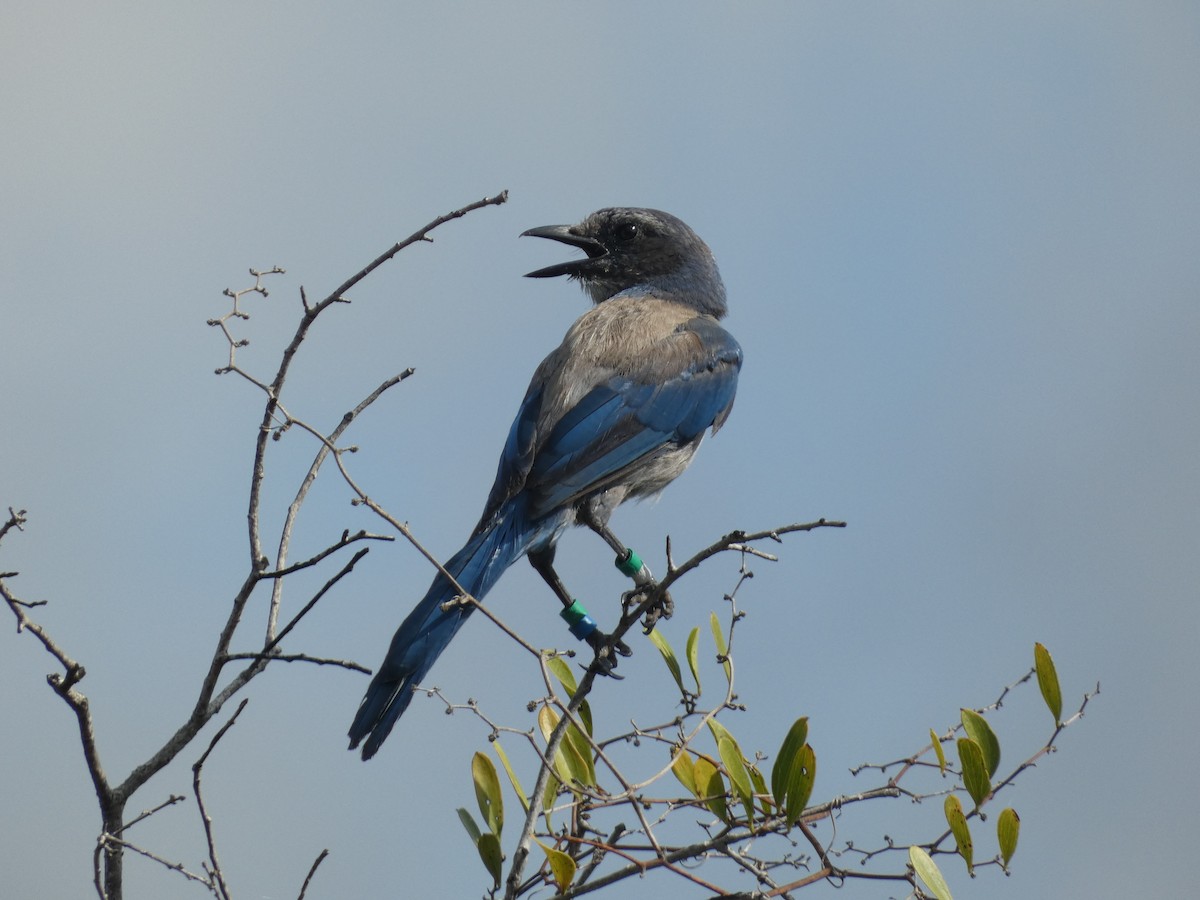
{"x":960,"y":243}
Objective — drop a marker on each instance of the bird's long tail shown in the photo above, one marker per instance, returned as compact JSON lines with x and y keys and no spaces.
{"x":428,"y":629}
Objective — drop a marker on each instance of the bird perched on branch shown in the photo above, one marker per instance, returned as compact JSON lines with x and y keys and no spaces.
{"x":615,"y":412}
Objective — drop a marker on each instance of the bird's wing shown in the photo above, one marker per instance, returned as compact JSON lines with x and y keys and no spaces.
{"x":684,"y":385}
{"x":516,"y":458}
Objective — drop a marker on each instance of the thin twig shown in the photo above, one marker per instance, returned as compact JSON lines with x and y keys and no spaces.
{"x":311,"y":872}
{"x":218,"y":876}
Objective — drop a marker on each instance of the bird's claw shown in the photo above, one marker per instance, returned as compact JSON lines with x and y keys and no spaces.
{"x":663,"y":609}
{"x":607,"y":650}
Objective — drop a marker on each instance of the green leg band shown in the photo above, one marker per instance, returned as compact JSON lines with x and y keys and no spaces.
{"x":631,"y":565}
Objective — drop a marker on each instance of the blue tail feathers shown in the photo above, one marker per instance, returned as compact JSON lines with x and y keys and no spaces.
{"x":429,"y":628}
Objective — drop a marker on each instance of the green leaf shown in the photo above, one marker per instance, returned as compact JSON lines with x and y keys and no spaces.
{"x":685,"y":771}
{"x":980,"y":732}
{"x":468,"y":822}
{"x":487,"y":792}
{"x":735,"y":765}
{"x":585,"y":716}
{"x":974,"y":771}
{"x":693,"y":655}
{"x":582,"y":751}
{"x":760,"y":789}
{"x":800,"y":784}
{"x":512,"y":776}
{"x":929,"y":873}
{"x":1047,"y":679}
{"x":1008,"y":829}
{"x":722,"y":648}
{"x":937,"y":748}
{"x":962,"y":834}
{"x":549,"y":795}
{"x":562,"y":867}
{"x":781,"y":771}
{"x":668,"y":656}
{"x":493,"y":859}
{"x":720,"y":731}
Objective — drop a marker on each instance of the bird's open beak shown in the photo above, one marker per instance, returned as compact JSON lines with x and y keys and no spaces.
{"x":565,"y":234}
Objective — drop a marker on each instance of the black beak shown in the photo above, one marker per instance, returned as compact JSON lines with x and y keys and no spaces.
{"x":567,"y":235}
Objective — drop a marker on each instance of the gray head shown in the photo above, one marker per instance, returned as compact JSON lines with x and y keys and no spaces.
{"x":628,"y":247}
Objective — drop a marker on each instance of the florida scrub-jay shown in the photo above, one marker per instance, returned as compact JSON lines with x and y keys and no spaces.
{"x":616,"y":412}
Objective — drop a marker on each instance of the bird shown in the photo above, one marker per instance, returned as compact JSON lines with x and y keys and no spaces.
{"x":615,"y":413}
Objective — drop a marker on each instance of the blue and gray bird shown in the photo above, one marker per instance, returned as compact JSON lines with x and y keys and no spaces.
{"x":615,"y":413}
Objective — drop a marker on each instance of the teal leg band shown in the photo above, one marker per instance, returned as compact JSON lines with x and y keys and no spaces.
{"x":578,"y":620}
{"x":631,"y":565}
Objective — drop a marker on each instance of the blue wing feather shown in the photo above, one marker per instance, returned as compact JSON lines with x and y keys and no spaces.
{"x":628,"y":417}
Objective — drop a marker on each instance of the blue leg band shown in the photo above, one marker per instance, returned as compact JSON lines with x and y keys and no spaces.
{"x":578,"y":620}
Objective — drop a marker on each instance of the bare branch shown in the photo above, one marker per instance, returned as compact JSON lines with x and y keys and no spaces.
{"x":311,"y":872}
{"x":147,"y":813}
{"x":328,"y":445}
{"x":16,"y":519}
{"x":222,"y":889}
{"x":344,"y":541}
{"x":302,"y":657}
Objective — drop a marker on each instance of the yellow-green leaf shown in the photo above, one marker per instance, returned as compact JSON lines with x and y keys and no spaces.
{"x":685,"y":771}
{"x":974,"y":771}
{"x":693,"y":655}
{"x":1047,"y":679}
{"x":547,"y":722}
{"x":549,"y":795}
{"x":493,"y":859}
{"x":562,"y":867}
{"x":668,"y":656}
{"x":722,"y":648}
{"x":468,"y":822}
{"x":962,"y":834}
{"x":800,"y":784}
{"x":781,"y":771}
{"x":487,"y":792}
{"x":929,"y":873}
{"x":570,"y":764}
{"x":980,"y":732}
{"x":563,"y":673}
{"x":937,"y":748}
{"x":512,"y":776}
{"x":714,"y":789}
{"x":702,"y":770}
{"x":566,"y":677}
{"x":735,"y":765}
{"x":1008,"y":829}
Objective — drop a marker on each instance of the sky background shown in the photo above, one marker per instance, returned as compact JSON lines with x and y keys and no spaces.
{"x":960,"y":245}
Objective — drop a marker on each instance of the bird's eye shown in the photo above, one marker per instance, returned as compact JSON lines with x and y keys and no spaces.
{"x":626,"y":231}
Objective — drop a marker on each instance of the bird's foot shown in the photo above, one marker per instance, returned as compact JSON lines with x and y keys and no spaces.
{"x":663,"y":608}
{"x":608,"y":649}
{"x":630,"y":564}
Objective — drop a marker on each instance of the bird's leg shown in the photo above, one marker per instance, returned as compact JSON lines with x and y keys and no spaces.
{"x":581,"y":624}
{"x":630,"y":564}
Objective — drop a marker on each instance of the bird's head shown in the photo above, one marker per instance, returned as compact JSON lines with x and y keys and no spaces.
{"x":647,"y":249}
